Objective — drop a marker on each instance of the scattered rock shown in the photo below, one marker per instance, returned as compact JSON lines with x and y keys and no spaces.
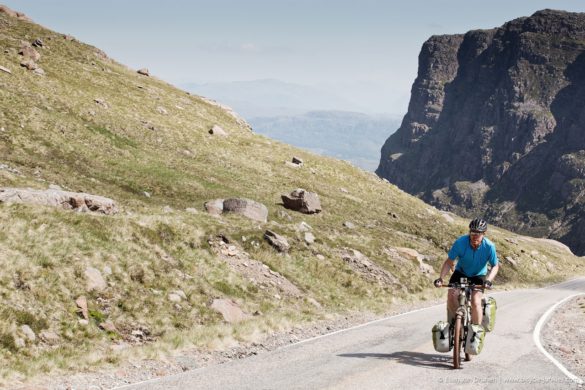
{"x":448,"y":218}
{"x":101,"y":102}
{"x":218,"y":130}
{"x":175,"y":298}
{"x":309,"y":238}
{"x":230,"y":311}
{"x":277,"y":241}
{"x":29,"y":53}
{"x":191,"y":210}
{"x":19,"y":343}
{"x":38,"y":42}
{"x":349,"y":225}
{"x":108,"y":326}
{"x":28,"y":332}
{"x":367,"y":269}
{"x":313,"y":302}
{"x":162,"y":110}
{"x":39,"y":71}
{"x":143,"y":72}
{"x":304,"y":227}
{"x":303,"y":201}
{"x":344,"y":190}
{"x":284,"y":215}
{"x":320,"y":257}
{"x":78,"y":201}
{"x":81,"y":303}
{"x":3,"y":69}
{"x":49,"y":337}
{"x":29,"y":64}
{"x":297,"y":161}
{"x":94,"y":280}
{"x":68,"y":37}
{"x":511,"y":260}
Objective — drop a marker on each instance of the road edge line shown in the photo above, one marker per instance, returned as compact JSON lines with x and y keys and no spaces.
{"x":536,"y":339}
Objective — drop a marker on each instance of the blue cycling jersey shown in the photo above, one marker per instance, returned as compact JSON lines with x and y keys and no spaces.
{"x":473,"y":262}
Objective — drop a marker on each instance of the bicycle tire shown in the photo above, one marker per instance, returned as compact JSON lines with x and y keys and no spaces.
{"x":457,"y":343}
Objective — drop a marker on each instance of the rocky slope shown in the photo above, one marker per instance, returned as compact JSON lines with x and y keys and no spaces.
{"x":496,"y":126}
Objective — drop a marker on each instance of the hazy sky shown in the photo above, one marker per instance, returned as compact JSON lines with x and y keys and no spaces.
{"x":354,"y":44}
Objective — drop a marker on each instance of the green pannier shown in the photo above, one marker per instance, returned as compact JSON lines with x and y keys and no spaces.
{"x":489,"y":313}
{"x":475,"y":339}
{"x":441,"y":337}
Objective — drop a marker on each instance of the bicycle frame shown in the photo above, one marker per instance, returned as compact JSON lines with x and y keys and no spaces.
{"x":459,"y":329}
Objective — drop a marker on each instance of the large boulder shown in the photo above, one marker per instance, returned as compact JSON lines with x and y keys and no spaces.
{"x":78,"y":201}
{"x":246,"y":207}
{"x":303,"y":201}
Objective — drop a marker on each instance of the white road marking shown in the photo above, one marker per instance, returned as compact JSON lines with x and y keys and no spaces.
{"x":536,"y":337}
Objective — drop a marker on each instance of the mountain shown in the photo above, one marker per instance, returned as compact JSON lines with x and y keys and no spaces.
{"x":140,"y":221}
{"x":269,"y":97}
{"x":350,"y":136}
{"x":495,"y":126}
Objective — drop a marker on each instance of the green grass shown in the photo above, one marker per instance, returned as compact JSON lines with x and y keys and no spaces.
{"x":55,"y":133}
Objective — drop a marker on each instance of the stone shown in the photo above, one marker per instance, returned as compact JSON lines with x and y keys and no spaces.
{"x":277,"y":241}
{"x":349,"y":225}
{"x":94,"y":280}
{"x":230,"y":310}
{"x":304,"y":227}
{"x":108,"y":326}
{"x":302,"y":201}
{"x":309,"y":238}
{"x":175,"y":298}
{"x":218,"y":130}
{"x":246,"y":207}
{"x":49,"y":337}
{"x":162,"y":110}
{"x":297,"y":161}
{"x":143,"y":71}
{"x":81,"y":303}
{"x":57,"y":198}
{"x":6,"y":70}
{"x":38,"y":42}
{"x":29,"y":53}
{"x":214,"y":207}
{"x":29,"y":333}
{"x":313,"y":302}
{"x":29,"y":64}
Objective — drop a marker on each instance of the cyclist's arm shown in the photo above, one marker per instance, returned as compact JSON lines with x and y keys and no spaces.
{"x":446,"y":268}
{"x":493,"y":272}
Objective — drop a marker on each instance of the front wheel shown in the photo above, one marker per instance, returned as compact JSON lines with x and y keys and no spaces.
{"x":457,"y":342}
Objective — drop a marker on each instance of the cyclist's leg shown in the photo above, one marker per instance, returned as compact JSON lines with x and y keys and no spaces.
{"x":476,"y":296}
{"x":452,"y":298}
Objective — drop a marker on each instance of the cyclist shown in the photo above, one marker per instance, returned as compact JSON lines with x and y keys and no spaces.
{"x":472,"y":252}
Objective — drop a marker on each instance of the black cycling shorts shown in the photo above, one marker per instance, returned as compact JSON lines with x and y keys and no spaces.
{"x":457,"y":275}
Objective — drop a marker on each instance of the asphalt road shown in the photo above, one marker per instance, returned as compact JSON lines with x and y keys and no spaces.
{"x":397,"y":353}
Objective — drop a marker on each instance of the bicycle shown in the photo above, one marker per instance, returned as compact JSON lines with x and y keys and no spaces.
{"x":459,"y":329}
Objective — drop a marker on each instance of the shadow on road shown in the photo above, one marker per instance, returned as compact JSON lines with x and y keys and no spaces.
{"x":411,"y":358}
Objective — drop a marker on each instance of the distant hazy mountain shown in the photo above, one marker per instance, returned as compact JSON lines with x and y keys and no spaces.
{"x":323,"y":119}
{"x":350,"y":136}
{"x":264,"y":98}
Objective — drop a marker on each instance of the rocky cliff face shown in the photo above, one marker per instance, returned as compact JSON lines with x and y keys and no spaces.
{"x":496,"y":126}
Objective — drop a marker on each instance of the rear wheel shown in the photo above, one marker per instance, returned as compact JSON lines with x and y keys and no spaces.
{"x":457,"y":343}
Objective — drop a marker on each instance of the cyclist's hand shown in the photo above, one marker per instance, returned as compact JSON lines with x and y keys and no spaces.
{"x":438,"y":282}
{"x":488,"y":284}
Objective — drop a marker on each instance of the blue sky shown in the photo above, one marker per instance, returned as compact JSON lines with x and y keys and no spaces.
{"x":368,"y":45}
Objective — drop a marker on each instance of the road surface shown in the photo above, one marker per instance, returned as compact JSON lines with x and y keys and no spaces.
{"x":397,"y":353}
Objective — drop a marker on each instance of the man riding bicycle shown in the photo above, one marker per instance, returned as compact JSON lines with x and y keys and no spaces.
{"x":474,"y":252}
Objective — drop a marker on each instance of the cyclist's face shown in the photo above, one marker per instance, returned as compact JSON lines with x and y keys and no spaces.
{"x":475,"y":238}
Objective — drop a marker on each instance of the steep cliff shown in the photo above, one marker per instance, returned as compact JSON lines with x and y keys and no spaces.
{"x":496,"y":126}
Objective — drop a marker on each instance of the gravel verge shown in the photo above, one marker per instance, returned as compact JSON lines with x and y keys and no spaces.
{"x":139,"y":371}
{"x":563,"y":335}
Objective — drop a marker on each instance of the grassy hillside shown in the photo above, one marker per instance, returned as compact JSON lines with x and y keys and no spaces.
{"x":146,"y":145}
